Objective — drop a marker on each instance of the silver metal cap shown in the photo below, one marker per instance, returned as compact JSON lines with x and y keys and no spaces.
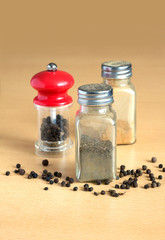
{"x":95,"y":94}
{"x":52,"y":67}
{"x":116,"y":69}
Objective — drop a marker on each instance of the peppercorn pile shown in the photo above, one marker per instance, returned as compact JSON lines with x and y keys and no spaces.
{"x":131,"y":182}
{"x":55,"y":131}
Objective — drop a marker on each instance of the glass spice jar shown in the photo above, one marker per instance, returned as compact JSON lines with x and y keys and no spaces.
{"x":95,"y":141}
{"x":52,"y":103}
{"x":118,"y":75}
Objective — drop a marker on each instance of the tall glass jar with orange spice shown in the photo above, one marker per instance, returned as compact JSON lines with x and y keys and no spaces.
{"x":118,"y":74}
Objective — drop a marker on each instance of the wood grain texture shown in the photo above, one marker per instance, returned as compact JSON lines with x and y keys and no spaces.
{"x":79,"y":47}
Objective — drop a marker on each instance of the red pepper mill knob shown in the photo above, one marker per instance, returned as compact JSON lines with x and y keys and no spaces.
{"x":52,"y":103}
{"x":52,"y":86}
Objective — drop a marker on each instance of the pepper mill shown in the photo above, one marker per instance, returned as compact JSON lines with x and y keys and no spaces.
{"x":52,"y":103}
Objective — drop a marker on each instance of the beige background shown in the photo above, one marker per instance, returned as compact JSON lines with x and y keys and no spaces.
{"x":78,"y":36}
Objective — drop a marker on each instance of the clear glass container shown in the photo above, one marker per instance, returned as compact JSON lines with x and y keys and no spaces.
{"x":95,"y":141}
{"x":53,"y":129}
{"x":118,"y":75}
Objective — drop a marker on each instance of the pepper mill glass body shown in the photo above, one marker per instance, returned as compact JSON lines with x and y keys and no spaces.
{"x":52,"y":104}
{"x":118,"y":75}
{"x":95,"y":134}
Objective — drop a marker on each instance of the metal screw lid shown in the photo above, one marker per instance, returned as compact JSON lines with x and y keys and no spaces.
{"x":116,"y":69}
{"x":95,"y":94}
{"x":52,"y":67}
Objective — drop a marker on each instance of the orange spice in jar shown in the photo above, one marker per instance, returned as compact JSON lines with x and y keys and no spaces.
{"x":118,"y":75}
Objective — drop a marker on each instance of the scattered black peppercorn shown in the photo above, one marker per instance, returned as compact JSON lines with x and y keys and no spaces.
{"x":86,"y":185}
{"x":68,"y":184}
{"x":44,"y":176}
{"x":148,"y":171}
{"x":67,"y":178}
{"x":117,"y":177}
{"x":35,"y":175}
{"x":132,"y":172}
{"x":151,"y":175}
{"x":127,"y":186}
{"x":135,"y":184}
{"x":107,"y":181}
{"x":125,"y":182}
{"x":152,"y":179}
{"x":90,"y":189}
{"x":71,"y":180}
{"x":160,"y":165}
{"x":163,"y":169}
{"x":47,"y":179}
{"x":160,"y":177}
{"x":122,"y":186}
{"x":95,"y":193}
{"x":7,"y":173}
{"x":45,"y":171}
{"x":18,"y":165}
{"x":56,"y":180}
{"x":55,"y":174}
{"x":138,"y":171}
{"x":59,"y":174}
{"x":86,"y":188}
{"x":117,"y":186}
{"x":29,"y":176}
{"x":136,"y":175}
{"x":102,"y":192}
{"x":63,"y":183}
{"x":146,"y":186}
{"x":51,"y":182}
{"x":116,"y":195}
{"x":21,"y":171}
{"x":122,"y":167}
{"x":128,"y":172}
{"x":16,"y":170}
{"x":112,"y":193}
{"x":98,"y":182}
{"x":46,"y":188}
{"x":45,"y":162}
{"x":158,"y":184}
{"x":75,"y":188}
{"x":144,"y":167}
{"x":153,"y":185}
{"x":153,"y":159}
{"x":121,"y":175}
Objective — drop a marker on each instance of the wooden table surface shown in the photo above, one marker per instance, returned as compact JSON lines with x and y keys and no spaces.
{"x":78,"y":36}
{"x":29,"y":212}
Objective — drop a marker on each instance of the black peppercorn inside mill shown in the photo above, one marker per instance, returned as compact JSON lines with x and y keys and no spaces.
{"x":56,"y":130}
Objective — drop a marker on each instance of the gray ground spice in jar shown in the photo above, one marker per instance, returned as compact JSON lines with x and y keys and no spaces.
{"x":95,"y":159}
